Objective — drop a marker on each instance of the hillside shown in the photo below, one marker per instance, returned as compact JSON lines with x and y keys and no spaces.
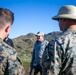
{"x":24,"y":46}
{"x":26,"y":42}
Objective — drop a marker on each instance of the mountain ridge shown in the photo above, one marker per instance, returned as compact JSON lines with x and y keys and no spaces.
{"x":24,"y":46}
{"x":26,"y":42}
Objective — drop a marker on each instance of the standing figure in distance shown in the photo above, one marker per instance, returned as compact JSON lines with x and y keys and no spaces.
{"x":10,"y":64}
{"x":39,"y":48}
{"x":62,"y":50}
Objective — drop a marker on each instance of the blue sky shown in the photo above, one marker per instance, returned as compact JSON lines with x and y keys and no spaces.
{"x":32,"y":16}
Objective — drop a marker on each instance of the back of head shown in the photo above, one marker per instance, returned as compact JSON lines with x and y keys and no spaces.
{"x":6,"y":16}
{"x":67,"y":11}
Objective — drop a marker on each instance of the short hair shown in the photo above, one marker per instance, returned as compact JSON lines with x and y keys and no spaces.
{"x":6,"y":16}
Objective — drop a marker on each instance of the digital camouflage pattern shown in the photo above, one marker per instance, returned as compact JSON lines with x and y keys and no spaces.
{"x":62,"y":53}
{"x":46,"y":60}
{"x":9,"y":62}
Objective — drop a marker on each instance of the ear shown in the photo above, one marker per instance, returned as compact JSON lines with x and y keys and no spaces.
{"x":7,"y":29}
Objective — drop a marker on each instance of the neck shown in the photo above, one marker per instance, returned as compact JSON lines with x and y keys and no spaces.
{"x":72,"y":26}
{"x":2,"y":36}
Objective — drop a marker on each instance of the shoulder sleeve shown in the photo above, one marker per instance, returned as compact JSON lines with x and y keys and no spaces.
{"x":10,"y":64}
{"x":55,"y":57}
{"x":3,"y":61}
{"x":14,"y":65}
{"x":33,"y":57}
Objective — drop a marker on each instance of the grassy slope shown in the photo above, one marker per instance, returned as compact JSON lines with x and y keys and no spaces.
{"x":24,"y":46}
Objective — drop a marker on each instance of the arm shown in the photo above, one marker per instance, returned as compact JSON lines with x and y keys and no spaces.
{"x":55,"y":57}
{"x":3,"y":62}
{"x":33,"y":57}
{"x":14,"y":65}
{"x":9,"y":63}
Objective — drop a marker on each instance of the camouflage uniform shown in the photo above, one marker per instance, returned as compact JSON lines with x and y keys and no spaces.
{"x":46,"y":59}
{"x":9,"y":62}
{"x":62,"y":53}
